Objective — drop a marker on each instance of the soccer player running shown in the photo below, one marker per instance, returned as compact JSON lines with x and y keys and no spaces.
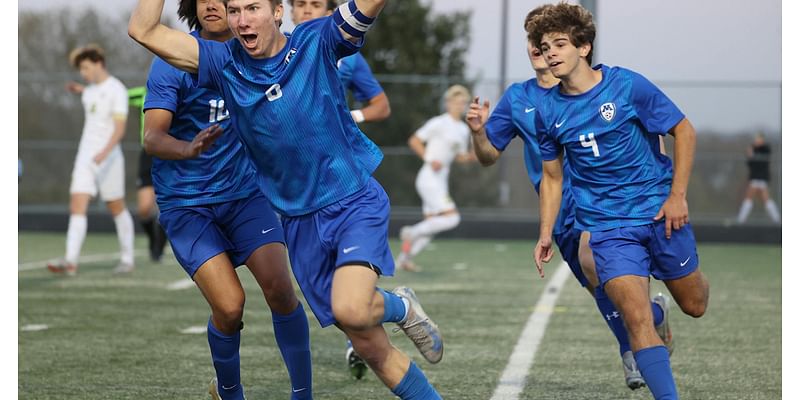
{"x":514,"y":117}
{"x":605,"y":122}
{"x":99,"y":165}
{"x":356,"y":76}
{"x":440,"y":141}
{"x":214,"y":214}
{"x":288,"y":107}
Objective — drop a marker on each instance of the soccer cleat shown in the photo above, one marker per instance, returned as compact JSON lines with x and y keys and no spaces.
{"x":62,"y":267}
{"x":410,"y":266}
{"x":419,"y":328}
{"x":663,"y":329}
{"x":212,"y":389}
{"x":356,"y":365}
{"x":124,"y":268}
{"x":633,"y":377}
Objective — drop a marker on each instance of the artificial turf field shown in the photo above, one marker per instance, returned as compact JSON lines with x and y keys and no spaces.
{"x":120,"y":337}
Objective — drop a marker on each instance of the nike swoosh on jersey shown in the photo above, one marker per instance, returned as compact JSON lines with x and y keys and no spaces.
{"x":267,"y":231}
{"x":527,"y":110}
{"x":558,"y":124}
{"x":349,"y":249}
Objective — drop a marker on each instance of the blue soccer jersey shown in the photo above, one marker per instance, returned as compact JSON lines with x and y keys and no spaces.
{"x":291,"y":113}
{"x":221,"y":173}
{"x":514,"y":117}
{"x":357,"y":77}
{"x":610,"y":138}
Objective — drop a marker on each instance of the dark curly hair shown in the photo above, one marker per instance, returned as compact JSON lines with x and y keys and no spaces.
{"x":187,"y":11}
{"x":528,"y":26}
{"x":573,"y":20}
{"x":331,"y":4}
{"x":91,"y":52}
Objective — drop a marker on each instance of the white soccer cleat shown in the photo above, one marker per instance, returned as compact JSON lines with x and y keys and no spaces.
{"x":663,"y":329}
{"x":419,"y":328}
{"x":633,"y":377}
{"x":62,"y":267}
{"x":124,"y":268}
{"x":212,"y":389}
{"x":355,"y":364}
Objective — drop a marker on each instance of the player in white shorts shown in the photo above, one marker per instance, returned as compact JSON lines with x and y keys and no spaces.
{"x":99,"y":165}
{"x":442,"y":140}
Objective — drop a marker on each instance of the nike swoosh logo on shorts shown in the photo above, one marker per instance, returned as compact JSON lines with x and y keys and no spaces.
{"x":349,"y":249}
{"x":267,"y":231}
{"x":687,"y":260}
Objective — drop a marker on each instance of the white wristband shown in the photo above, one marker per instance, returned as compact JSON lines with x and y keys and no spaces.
{"x":357,"y":115}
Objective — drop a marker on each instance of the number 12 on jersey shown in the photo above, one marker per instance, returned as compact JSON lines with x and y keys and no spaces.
{"x":217,"y":111}
{"x":590,"y":143}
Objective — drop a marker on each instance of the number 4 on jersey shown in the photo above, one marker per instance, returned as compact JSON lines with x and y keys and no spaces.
{"x":590,"y":143}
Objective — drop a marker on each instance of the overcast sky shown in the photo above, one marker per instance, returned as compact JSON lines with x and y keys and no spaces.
{"x":719,"y":60}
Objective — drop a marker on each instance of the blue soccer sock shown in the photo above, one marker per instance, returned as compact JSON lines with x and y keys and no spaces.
{"x":415,"y":386}
{"x":613,"y":319}
{"x":658,"y":313}
{"x":291,"y":334}
{"x":225,"y":355}
{"x":654,"y":364}
{"x":395,"y":307}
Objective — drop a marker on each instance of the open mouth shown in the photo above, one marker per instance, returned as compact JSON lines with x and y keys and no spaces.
{"x":555,"y":64}
{"x":249,"y":40}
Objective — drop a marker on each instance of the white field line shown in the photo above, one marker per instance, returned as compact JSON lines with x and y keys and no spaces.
{"x":512,"y":381}
{"x":182,"y":284}
{"x":33,"y":265}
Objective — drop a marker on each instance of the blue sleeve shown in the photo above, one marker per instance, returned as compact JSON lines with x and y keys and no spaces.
{"x":364,"y":85}
{"x":332,"y":37}
{"x":163,"y":84}
{"x":213,"y":56}
{"x":549,"y":148}
{"x":656,"y":111}
{"x":500,"y":128}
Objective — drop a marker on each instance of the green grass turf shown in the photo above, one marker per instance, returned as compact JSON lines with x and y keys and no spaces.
{"x":113,"y":337}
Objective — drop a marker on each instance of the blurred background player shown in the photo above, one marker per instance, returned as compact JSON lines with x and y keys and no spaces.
{"x":356,"y":76}
{"x":147,"y":210}
{"x":514,"y":117}
{"x":354,"y":72}
{"x":316,"y":170}
{"x":440,"y":141}
{"x":758,"y":155}
{"x":215,"y":216}
{"x":99,"y":165}
{"x":606,"y":122}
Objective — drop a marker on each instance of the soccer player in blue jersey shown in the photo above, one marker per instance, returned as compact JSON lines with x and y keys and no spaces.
{"x":354,"y":71}
{"x":514,"y":117}
{"x":288,"y":107}
{"x":356,"y":77}
{"x":214,"y":214}
{"x":605,"y":123}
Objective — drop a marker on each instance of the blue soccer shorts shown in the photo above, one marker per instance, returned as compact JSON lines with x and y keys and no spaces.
{"x":568,"y":243}
{"x":238,"y":227}
{"x":644,"y":250}
{"x":351,"y":231}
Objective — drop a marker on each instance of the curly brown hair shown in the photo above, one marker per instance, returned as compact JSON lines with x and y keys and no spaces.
{"x":573,"y":20}
{"x":528,"y":26}
{"x":91,"y":52}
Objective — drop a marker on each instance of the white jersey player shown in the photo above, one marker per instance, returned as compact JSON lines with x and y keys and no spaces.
{"x":442,"y":140}
{"x":99,"y":165}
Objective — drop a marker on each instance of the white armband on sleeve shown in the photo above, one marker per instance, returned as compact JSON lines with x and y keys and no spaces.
{"x":358,"y":116}
{"x":351,"y":20}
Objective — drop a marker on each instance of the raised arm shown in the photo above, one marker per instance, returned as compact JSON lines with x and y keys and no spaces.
{"x":477,"y":116}
{"x":355,"y":24}
{"x":176,"y":48}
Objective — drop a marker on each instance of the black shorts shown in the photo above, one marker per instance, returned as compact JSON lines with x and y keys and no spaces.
{"x":145,"y":164}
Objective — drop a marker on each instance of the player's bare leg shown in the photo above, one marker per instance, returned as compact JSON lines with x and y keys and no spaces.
{"x":691,"y":293}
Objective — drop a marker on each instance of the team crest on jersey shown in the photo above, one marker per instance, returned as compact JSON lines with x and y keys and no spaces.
{"x":289,"y":55}
{"x":607,"y":111}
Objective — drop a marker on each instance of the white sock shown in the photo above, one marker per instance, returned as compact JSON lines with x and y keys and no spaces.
{"x":418,"y":244}
{"x":744,"y":211}
{"x":124,"y":224}
{"x":772,"y":209}
{"x":76,"y":233}
{"x":433,"y":225}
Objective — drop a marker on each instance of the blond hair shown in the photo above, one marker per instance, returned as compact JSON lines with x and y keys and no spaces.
{"x":456,"y":90}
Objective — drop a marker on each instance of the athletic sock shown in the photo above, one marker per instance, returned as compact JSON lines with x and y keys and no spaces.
{"x":76,"y":233}
{"x":395,"y":308}
{"x":291,"y":334}
{"x":658,"y":313}
{"x":418,"y":244}
{"x":613,"y":319}
{"x":415,"y":386}
{"x":772,"y":210}
{"x":653,"y":362}
{"x":147,"y":224}
{"x":744,"y":211}
{"x":124,"y":224}
{"x":225,"y":355}
{"x":433,"y":225}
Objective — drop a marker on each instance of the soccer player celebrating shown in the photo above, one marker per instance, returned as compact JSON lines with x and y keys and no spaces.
{"x":214,"y":214}
{"x":607,"y":121}
{"x":440,"y":141}
{"x":354,"y":71}
{"x":99,"y":164}
{"x":356,"y":76}
{"x":288,"y":107}
{"x":513,"y":117}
